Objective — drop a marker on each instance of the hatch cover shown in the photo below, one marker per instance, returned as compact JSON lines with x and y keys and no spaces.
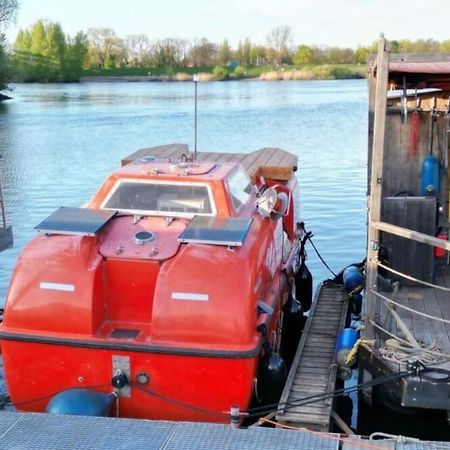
{"x":76,"y":221}
{"x":216,"y":230}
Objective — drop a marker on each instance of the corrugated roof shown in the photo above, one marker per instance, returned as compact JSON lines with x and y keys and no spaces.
{"x":419,"y":71}
{"x":432,"y":68}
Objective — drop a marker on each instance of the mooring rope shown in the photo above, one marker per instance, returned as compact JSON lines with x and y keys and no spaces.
{"x":441,"y":356}
{"x":407,"y":308}
{"x":409,"y":277}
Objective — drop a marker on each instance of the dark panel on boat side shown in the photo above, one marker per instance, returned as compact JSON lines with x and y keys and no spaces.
{"x":407,"y":256}
{"x":76,"y":221}
{"x":216,"y":230}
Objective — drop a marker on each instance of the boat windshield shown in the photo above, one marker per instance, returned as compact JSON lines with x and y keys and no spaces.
{"x":148,"y":198}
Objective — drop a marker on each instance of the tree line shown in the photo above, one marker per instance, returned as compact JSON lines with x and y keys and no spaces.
{"x":44,"y":52}
{"x":8,"y":9}
{"x":107,"y":50}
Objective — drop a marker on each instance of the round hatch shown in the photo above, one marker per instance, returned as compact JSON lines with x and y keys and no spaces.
{"x":142,"y":237}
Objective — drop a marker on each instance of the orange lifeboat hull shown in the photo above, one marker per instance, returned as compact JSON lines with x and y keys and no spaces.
{"x":183,"y":322}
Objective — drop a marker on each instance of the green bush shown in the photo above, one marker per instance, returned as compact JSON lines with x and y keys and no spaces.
{"x":239,"y":72}
{"x":344,"y":73}
{"x":220,"y":73}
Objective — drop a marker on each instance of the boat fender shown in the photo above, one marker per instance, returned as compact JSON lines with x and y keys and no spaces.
{"x":262,"y":328}
{"x":292,"y":327}
{"x":304,"y":286}
{"x":345,"y":342}
{"x":81,"y":402}
{"x":272,"y":374}
{"x":356,"y":304}
{"x":352,"y":278}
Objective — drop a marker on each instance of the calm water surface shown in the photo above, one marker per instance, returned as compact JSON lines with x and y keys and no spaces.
{"x":59,"y":141}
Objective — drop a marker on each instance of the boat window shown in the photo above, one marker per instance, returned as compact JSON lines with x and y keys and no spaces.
{"x":164,"y":199}
{"x":239,"y":188}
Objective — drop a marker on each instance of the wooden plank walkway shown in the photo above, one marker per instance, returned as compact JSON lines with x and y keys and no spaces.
{"x":314,"y":369}
{"x":271,"y":163}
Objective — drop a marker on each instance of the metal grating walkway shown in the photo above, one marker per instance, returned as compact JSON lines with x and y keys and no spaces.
{"x":314,"y":370}
{"x":29,"y":431}
{"x":24,"y":431}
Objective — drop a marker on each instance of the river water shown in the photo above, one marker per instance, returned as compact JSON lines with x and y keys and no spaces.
{"x":58,"y":142}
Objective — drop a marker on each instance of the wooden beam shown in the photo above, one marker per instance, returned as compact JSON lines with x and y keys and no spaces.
{"x":374,"y":206}
{"x":411,"y":234}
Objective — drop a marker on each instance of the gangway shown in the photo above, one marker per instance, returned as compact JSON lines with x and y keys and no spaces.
{"x":314,"y":369}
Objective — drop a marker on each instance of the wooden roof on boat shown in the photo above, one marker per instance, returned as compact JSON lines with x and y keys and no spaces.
{"x":271,"y":163}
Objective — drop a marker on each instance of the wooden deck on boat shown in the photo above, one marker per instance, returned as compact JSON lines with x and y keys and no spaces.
{"x":314,"y":369}
{"x":272,"y":163}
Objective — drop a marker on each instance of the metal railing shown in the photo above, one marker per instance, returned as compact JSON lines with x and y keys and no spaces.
{"x":374,"y":297}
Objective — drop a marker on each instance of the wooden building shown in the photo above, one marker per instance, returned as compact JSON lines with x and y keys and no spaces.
{"x":407,"y":323}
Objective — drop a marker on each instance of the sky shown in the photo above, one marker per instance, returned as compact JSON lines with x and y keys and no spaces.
{"x":342,"y":23}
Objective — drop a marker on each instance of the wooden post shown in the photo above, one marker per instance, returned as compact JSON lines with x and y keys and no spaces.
{"x":375,"y":197}
{"x":2,"y":205}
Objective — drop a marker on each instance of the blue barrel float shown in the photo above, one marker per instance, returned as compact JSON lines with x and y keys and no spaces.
{"x":429,"y":177}
{"x":352,"y":278}
{"x":81,"y":402}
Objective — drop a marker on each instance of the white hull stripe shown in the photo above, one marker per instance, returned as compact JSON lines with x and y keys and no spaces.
{"x":190,"y":296}
{"x":57,"y":286}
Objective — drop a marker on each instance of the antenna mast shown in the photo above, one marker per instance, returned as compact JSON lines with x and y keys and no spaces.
{"x":195,"y":78}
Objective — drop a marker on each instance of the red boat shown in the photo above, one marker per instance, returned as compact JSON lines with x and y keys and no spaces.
{"x":169,"y":287}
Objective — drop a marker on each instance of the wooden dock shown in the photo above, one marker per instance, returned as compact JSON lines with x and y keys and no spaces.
{"x":408,"y":218}
{"x":414,"y":391}
{"x":314,"y":369}
{"x":272,"y":163}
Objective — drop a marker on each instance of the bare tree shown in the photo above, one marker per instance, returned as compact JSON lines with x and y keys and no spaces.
{"x":224,"y":53}
{"x":170,"y":52}
{"x":8,"y":9}
{"x":202,"y":53}
{"x":278,"y":40}
{"x":106,"y":49}
{"x":139,"y":50}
